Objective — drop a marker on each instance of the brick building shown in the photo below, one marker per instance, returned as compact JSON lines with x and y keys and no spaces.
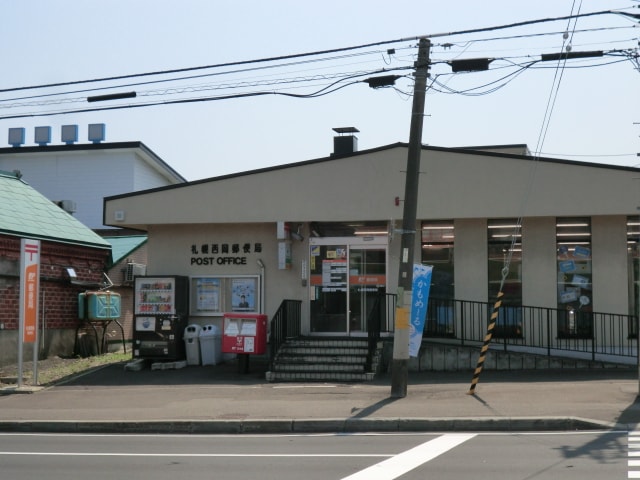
{"x":73,"y":259}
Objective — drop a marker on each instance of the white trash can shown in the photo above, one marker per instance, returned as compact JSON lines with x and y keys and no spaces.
{"x":192,"y":344}
{"x":210,"y":345}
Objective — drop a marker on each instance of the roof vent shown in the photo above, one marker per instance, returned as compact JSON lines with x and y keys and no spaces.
{"x":16,"y":136}
{"x":96,"y":132}
{"x":42,"y":135}
{"x":345,"y":144}
{"x":69,"y":134}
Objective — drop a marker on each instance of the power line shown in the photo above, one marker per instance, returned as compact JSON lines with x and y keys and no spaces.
{"x":334,"y":87}
{"x":314,"y":53}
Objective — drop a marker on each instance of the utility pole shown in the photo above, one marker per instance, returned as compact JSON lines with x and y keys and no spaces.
{"x":400,"y":361}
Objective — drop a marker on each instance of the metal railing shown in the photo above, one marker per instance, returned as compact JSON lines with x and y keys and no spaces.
{"x":549,"y":331}
{"x":538,"y":330}
{"x":286,"y":323}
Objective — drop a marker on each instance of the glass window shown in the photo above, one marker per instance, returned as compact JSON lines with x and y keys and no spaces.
{"x":504,"y":243}
{"x":437,"y":241}
{"x":573,"y":244}
{"x":437,"y":250}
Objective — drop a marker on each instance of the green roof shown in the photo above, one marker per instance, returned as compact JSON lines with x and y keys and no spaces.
{"x":123,"y":246}
{"x":25,"y":212}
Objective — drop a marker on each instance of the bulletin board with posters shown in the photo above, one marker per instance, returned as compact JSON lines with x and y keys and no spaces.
{"x":216,"y":294}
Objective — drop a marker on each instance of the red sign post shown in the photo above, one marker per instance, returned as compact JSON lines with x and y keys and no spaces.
{"x":29,"y":296}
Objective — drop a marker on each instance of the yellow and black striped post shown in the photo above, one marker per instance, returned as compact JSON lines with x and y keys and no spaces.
{"x":485,"y":346}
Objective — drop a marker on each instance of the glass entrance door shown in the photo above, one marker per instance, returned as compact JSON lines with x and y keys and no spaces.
{"x":346,"y":276}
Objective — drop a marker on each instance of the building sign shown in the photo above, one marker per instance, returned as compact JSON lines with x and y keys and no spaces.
{"x":223,"y":253}
{"x":29,"y":288}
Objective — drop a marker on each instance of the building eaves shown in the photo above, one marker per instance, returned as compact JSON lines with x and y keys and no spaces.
{"x":123,"y":246}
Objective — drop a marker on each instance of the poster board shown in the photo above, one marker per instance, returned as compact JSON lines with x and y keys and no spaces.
{"x":213,"y":295}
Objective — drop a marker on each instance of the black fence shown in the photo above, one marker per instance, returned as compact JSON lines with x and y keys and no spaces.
{"x":593,"y":335}
{"x":538,"y":330}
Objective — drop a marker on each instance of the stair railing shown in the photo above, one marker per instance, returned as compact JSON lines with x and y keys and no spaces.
{"x":286,"y":323}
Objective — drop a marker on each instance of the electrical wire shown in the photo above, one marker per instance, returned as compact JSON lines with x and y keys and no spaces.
{"x":305,"y":58}
{"x":314,"y":53}
{"x":331,"y":88}
{"x":555,"y":88}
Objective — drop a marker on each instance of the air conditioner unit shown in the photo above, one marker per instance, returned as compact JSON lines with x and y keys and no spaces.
{"x":68,"y":206}
{"x":134,"y":270}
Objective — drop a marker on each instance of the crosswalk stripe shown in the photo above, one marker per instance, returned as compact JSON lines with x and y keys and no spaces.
{"x":413,"y":458}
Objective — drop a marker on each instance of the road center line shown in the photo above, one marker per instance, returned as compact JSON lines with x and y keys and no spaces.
{"x":406,"y":461}
{"x":218,"y":455}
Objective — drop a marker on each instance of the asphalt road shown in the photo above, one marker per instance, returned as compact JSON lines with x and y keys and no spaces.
{"x":508,"y":456}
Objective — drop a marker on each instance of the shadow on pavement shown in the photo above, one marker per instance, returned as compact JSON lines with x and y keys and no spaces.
{"x":117,"y":375}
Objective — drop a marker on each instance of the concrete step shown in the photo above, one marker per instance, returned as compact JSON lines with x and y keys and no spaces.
{"x":318,"y":377}
{"x":319,"y":367}
{"x":326,"y":351}
{"x":294,"y":357}
{"x":328,"y":342}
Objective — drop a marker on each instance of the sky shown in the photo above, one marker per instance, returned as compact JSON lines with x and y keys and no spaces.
{"x":580,"y":109}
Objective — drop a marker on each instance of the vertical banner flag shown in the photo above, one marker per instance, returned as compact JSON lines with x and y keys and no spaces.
{"x":419,"y":303}
{"x":29,"y":288}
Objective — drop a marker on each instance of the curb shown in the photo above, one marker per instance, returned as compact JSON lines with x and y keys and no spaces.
{"x":327,"y":425}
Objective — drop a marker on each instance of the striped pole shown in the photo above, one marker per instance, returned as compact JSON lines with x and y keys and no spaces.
{"x":485,"y":347}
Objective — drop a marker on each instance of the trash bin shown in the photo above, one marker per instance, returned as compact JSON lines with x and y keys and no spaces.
{"x":192,"y":345}
{"x":210,"y":345}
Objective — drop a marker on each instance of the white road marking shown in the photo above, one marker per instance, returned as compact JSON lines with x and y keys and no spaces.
{"x":404,"y":462}
{"x":221,"y":455}
{"x":633,"y":450}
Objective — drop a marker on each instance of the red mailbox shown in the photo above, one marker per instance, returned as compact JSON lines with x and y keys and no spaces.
{"x":244,"y":333}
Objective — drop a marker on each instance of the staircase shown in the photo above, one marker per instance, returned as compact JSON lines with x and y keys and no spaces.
{"x":318,"y":359}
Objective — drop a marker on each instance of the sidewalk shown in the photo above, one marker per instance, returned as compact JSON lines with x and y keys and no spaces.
{"x":219,"y":399}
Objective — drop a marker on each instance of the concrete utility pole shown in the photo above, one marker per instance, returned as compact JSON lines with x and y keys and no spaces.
{"x":400,"y":361}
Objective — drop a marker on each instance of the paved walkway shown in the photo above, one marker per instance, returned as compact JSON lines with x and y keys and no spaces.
{"x":219,"y":399}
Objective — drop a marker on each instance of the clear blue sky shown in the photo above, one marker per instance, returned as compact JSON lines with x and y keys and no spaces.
{"x":593,"y":115}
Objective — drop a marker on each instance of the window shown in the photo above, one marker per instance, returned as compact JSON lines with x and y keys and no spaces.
{"x":437,"y":240}
{"x":573,"y":244}
{"x":505,"y":251}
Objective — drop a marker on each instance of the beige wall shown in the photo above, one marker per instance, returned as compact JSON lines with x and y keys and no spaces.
{"x":609,"y":264}
{"x":364,"y":187}
{"x":470,"y":257}
{"x":539,"y":265}
{"x":169,"y":250}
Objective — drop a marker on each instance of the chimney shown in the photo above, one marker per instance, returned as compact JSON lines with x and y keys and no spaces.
{"x":344,"y":144}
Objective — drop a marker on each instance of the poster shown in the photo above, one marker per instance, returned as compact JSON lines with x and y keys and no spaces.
{"x":243,"y":295}
{"x":208,"y":295}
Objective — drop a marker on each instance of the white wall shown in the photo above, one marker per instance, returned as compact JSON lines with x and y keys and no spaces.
{"x":85,"y":177}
